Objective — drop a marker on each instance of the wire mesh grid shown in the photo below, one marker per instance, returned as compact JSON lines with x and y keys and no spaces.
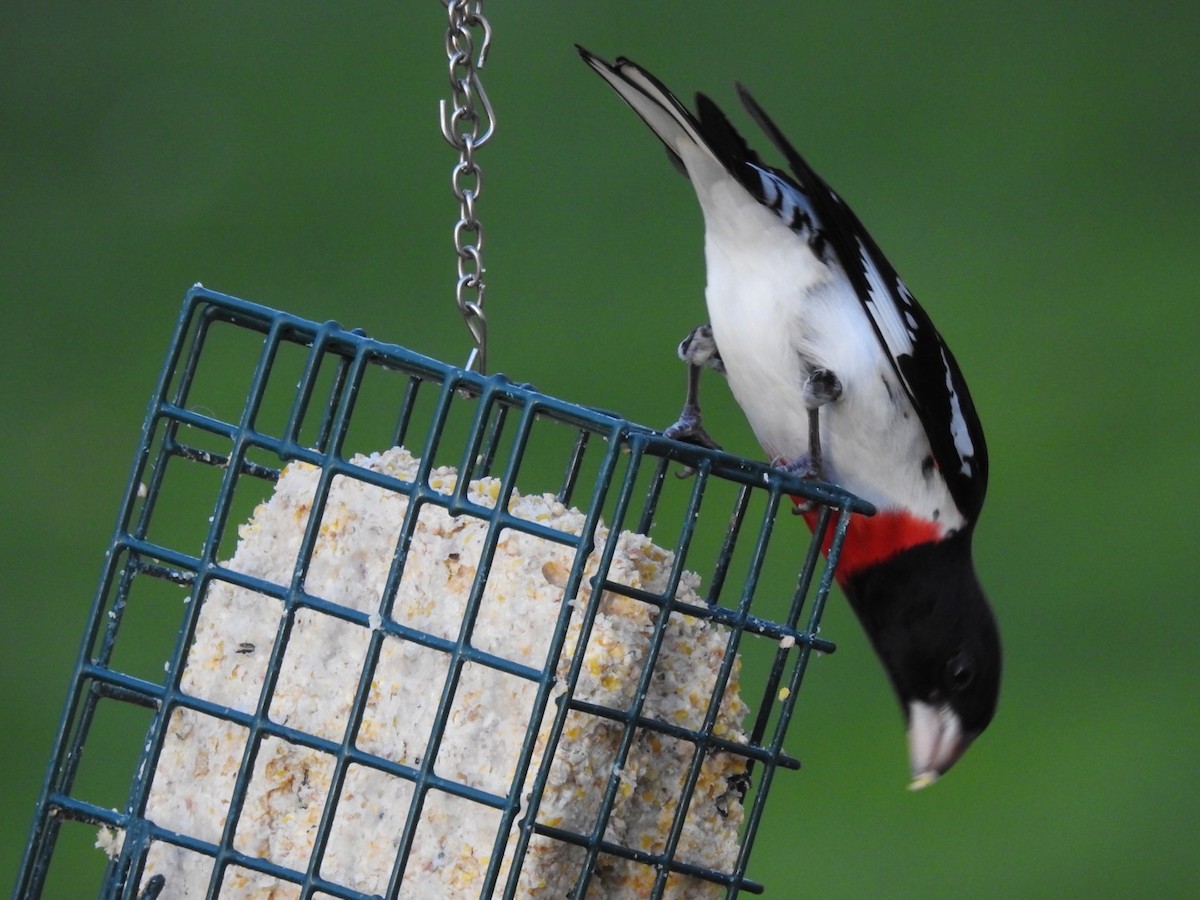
{"x":572,"y":713}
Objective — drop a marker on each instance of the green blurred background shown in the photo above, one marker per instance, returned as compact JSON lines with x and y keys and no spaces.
{"x":1030,"y":168}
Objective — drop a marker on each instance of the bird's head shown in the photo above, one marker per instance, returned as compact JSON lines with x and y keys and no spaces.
{"x":929,"y":621}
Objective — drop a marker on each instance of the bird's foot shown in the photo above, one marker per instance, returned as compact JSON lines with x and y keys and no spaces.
{"x":690,"y":430}
{"x":801,"y":467}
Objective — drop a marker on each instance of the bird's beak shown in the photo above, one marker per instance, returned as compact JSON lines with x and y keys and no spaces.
{"x":935,"y":741}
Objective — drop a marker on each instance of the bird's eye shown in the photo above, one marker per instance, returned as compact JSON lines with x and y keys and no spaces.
{"x":960,"y":671}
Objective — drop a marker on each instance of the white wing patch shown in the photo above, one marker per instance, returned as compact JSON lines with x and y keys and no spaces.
{"x":896,"y":335}
{"x":892,"y":309}
{"x":958,"y":423}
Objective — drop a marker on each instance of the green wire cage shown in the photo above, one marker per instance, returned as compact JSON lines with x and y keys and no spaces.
{"x":371,"y":625}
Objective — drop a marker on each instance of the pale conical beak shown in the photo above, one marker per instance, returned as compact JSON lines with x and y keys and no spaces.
{"x":935,"y":741}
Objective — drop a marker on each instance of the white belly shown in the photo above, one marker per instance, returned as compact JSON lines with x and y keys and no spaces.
{"x":777,"y":312}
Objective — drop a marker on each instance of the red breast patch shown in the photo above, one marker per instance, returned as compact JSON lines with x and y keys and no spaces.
{"x":873,"y":539}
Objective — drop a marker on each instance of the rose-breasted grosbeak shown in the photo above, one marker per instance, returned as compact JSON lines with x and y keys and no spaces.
{"x":843,"y":377}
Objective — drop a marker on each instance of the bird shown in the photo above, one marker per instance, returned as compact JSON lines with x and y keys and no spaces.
{"x":843,"y":378}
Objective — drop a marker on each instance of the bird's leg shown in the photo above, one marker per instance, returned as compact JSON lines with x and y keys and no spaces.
{"x":699,"y":351}
{"x":820,"y":387}
{"x":688,"y":427}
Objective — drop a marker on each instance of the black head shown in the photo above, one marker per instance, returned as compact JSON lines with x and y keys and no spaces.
{"x":930,"y":623}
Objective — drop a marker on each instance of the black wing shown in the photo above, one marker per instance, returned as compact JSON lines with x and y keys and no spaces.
{"x":923,"y":363}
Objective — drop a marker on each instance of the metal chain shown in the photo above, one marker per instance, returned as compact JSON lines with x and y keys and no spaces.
{"x":467,"y":128}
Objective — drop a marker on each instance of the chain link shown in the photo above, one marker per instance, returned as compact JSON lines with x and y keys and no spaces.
{"x":467,"y":127}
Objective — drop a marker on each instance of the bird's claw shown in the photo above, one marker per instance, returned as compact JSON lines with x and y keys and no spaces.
{"x":689,"y":430}
{"x":803,"y":469}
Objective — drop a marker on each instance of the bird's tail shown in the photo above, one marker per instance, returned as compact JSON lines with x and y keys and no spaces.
{"x":677,"y":128}
{"x":694,"y":142}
